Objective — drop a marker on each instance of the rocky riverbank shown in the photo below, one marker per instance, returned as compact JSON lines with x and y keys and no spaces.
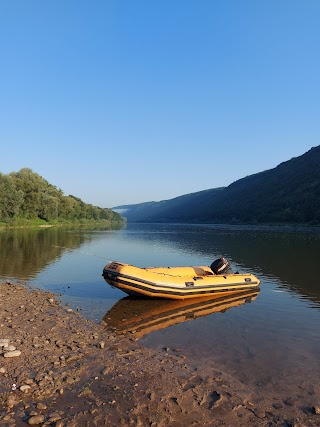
{"x":59,"y":369}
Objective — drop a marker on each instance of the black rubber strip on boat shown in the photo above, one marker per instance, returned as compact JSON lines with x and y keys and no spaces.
{"x":182,"y":291}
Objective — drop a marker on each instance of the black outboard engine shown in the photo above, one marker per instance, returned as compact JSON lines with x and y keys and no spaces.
{"x":221,"y":266}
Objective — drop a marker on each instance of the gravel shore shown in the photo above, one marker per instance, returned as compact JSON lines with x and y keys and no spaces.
{"x":59,"y":369}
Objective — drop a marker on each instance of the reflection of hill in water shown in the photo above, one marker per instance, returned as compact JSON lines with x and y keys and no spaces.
{"x":288,"y":253}
{"x":25,"y":252}
{"x":142,"y":316}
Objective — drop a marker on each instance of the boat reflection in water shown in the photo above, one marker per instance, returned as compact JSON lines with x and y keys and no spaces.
{"x":142,"y":316}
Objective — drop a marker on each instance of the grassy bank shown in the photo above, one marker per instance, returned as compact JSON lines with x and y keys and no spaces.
{"x":30,"y":223}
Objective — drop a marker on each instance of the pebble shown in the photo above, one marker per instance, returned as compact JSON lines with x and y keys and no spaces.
{"x":14,"y":353}
{"x":277,"y":405}
{"x":2,"y":370}
{"x":25,"y":388}
{"x":316,"y":409}
{"x":9,"y":348}
{"x":7,"y":418}
{"x":105,"y":371}
{"x":259,"y":413}
{"x":36,"y":419}
{"x":72,"y":358}
{"x":4,"y":341}
{"x":55,"y":416}
{"x":11,"y":402}
{"x":291,"y":401}
{"x":41,"y":406}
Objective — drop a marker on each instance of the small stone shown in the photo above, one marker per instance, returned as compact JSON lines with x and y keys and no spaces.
{"x":54,"y":416}
{"x":101,"y":344}
{"x":277,"y":405}
{"x":41,"y":406}
{"x":72,"y":358}
{"x":36,"y":419}
{"x":2,"y":370}
{"x":9,"y":348}
{"x":7,"y":418}
{"x":25,"y":388}
{"x":259,"y":413}
{"x":14,"y":353}
{"x":11,"y":402}
{"x":59,"y":423}
{"x":290,"y":401}
{"x":316,"y":409}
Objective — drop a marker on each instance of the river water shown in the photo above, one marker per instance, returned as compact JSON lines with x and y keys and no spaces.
{"x":269,"y":338}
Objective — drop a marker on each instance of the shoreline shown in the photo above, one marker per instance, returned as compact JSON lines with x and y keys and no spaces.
{"x":73,"y":372}
{"x":112,"y":225}
{"x":115,"y":225}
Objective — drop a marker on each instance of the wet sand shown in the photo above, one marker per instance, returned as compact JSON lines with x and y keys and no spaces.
{"x":70,"y":371}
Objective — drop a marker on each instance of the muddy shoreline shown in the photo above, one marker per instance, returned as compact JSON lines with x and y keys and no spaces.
{"x":68,"y":371}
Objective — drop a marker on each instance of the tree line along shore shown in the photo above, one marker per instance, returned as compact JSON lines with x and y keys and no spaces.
{"x":27,"y":199}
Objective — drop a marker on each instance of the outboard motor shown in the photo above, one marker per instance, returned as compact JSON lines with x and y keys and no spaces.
{"x":221,"y":266}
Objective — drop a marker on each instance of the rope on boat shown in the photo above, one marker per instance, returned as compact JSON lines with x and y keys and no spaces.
{"x":85,"y":253}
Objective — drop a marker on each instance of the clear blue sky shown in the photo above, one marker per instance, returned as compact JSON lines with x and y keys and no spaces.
{"x":126,"y":101}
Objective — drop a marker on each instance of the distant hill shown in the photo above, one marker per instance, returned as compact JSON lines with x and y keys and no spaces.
{"x":179,"y":209}
{"x":288,"y":193}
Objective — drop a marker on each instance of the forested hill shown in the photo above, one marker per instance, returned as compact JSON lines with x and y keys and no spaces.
{"x":179,"y":209}
{"x":25,"y":195}
{"x":289,"y":193}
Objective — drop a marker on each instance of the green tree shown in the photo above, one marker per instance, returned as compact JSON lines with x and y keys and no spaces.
{"x":11,"y":199}
{"x":27,"y":195}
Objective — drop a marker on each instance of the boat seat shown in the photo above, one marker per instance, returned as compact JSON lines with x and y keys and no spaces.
{"x":200,"y":271}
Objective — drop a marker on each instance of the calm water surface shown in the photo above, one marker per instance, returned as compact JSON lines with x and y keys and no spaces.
{"x":270,"y":338}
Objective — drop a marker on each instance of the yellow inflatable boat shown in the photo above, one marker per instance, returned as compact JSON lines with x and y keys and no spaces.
{"x":178,"y":282}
